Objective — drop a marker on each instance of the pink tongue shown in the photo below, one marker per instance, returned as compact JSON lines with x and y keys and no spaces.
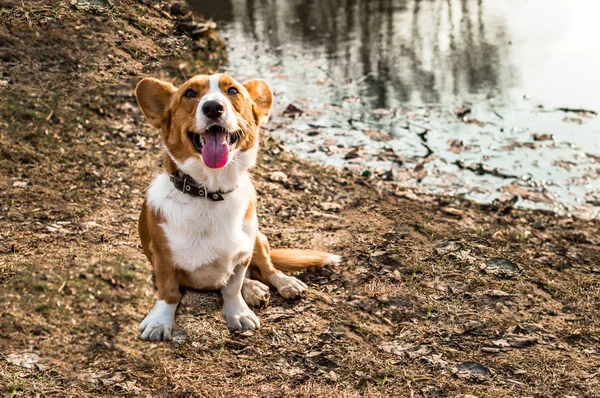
{"x":215,"y":151}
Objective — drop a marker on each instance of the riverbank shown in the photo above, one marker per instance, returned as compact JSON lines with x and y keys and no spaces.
{"x":436,"y":296}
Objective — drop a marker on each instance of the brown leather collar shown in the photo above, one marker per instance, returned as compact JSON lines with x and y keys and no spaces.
{"x":189,"y":186}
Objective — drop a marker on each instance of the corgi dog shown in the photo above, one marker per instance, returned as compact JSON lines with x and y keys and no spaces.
{"x":198,"y":225}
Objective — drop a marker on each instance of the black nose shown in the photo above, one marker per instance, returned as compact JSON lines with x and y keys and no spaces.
{"x":212,"y":109}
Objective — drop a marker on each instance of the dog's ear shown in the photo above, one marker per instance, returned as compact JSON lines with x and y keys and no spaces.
{"x":262,"y":97}
{"x":154,"y":97}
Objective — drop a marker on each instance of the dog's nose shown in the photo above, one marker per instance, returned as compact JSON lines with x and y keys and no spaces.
{"x":213,"y":109}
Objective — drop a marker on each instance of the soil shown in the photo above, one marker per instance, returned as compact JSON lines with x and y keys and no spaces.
{"x":436,"y":296}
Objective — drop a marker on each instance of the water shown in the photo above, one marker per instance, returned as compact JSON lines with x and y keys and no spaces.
{"x":384,"y":84}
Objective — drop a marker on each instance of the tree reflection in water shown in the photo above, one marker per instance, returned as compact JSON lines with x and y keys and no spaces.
{"x":403,"y":50}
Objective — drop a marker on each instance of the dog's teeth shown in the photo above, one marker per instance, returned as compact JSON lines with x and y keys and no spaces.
{"x":202,"y":140}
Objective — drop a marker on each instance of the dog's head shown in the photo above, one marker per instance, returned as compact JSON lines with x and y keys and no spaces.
{"x":209,"y":122}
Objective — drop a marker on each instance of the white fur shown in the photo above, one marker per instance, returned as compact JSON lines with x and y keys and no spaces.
{"x":207,"y":239}
{"x":236,"y":312}
{"x":332,"y":259}
{"x":159,"y":322}
{"x":201,"y":232}
{"x":287,"y":286}
{"x":255,"y":293}
{"x":228,"y":120}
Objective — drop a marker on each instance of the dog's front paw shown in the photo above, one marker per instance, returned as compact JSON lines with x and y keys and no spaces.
{"x":158,"y":324}
{"x":255,"y":293}
{"x":240,"y":318}
{"x":156,"y":332}
{"x":287,"y":286}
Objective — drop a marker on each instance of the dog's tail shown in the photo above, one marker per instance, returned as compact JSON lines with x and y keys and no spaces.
{"x":294,"y":260}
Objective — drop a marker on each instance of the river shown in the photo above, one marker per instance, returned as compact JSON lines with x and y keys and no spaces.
{"x":489,"y":99}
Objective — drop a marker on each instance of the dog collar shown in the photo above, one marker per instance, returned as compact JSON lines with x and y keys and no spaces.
{"x":189,"y":186}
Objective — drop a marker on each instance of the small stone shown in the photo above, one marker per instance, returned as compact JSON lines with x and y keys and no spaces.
{"x":330,"y":206}
{"x":490,"y":350}
{"x":278,"y":176}
{"x":447,"y":247}
{"x":333,"y":376}
{"x":501,"y":343}
{"x":180,"y":8}
{"x":178,"y":336}
{"x":452,"y":212}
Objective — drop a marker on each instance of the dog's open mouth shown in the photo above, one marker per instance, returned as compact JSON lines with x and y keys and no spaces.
{"x":214,"y":144}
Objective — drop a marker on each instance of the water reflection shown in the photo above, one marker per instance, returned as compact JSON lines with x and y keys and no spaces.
{"x":342,"y":60}
{"x":402,"y":51}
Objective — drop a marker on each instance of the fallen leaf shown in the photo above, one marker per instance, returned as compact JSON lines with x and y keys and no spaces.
{"x":526,"y":194}
{"x":412,"y":351}
{"x":501,"y":267}
{"x":462,"y":111}
{"x":376,"y":135}
{"x":292,"y":111}
{"x":381,"y":111}
{"x":473,"y":371}
{"x":542,"y":137}
{"x":496,"y":293}
{"x":455,"y":145}
{"x":522,"y":342}
{"x":353,"y":154}
{"x":447,"y":247}
{"x":26,"y":360}
{"x":572,"y":120}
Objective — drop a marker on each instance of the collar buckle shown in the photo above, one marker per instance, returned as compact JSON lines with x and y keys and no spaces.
{"x":184,"y":186}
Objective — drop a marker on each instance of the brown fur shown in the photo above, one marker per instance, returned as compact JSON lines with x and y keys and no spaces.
{"x":168,"y":109}
{"x":294,"y":260}
{"x":156,"y":248}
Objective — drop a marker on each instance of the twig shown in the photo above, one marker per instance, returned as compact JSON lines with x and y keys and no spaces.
{"x":480,"y":169}
{"x":578,"y":110}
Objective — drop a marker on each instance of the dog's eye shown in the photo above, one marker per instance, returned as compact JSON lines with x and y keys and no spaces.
{"x":232,"y":91}
{"x":191,"y":93}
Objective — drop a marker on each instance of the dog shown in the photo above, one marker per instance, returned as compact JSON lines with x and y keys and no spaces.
{"x":198,"y":224}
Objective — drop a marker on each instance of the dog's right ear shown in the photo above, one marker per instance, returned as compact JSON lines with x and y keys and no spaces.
{"x":154,"y":97}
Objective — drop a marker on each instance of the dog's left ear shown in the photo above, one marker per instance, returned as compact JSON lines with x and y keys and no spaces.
{"x":262,"y":97}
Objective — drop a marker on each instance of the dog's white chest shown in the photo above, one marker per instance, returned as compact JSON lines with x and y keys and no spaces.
{"x":200,"y":231}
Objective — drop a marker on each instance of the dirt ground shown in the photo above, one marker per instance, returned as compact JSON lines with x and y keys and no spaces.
{"x":435,"y":296}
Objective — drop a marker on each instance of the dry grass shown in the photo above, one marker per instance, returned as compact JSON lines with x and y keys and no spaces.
{"x":408,"y":307}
